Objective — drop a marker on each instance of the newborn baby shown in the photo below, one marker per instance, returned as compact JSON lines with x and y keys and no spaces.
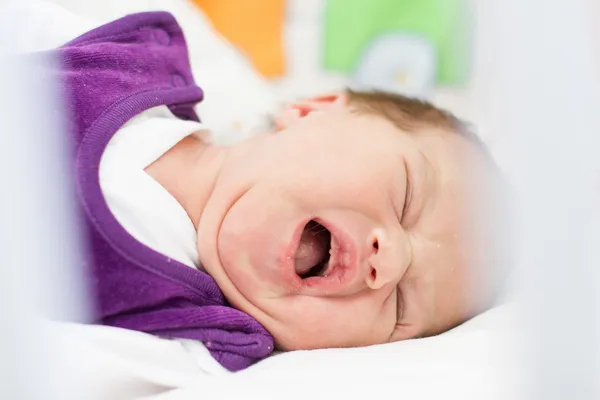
{"x":350,"y":225}
{"x":358,"y":219}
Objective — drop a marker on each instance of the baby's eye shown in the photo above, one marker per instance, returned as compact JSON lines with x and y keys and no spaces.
{"x":407,"y":197}
{"x":399,"y":307}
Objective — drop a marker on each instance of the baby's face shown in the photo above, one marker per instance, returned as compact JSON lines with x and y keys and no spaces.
{"x":342,"y":230}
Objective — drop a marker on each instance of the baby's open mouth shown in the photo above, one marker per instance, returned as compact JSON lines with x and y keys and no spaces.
{"x":313,"y":254}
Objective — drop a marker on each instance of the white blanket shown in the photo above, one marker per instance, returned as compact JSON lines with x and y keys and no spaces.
{"x":473,"y":361}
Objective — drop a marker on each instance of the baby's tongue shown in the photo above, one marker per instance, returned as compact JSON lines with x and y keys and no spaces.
{"x":311,"y":251}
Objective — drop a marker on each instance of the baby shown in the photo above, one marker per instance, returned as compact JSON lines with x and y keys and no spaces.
{"x":359,"y":219}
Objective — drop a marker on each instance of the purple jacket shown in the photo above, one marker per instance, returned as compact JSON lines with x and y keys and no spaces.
{"x":108,"y":76}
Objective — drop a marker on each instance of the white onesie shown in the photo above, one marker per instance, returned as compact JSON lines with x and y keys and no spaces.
{"x":141,"y":205}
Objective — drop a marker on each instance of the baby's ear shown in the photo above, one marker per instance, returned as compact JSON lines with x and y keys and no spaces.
{"x":294,"y":112}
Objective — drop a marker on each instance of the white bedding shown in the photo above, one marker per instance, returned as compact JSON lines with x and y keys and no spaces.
{"x":473,"y":361}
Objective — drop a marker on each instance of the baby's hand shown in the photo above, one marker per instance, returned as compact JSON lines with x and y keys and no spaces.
{"x":300,"y":109}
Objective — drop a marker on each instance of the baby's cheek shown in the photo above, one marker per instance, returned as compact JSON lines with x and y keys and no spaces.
{"x":246,"y":280}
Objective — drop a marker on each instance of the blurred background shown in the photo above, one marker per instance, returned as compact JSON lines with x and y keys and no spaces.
{"x":425,"y":48}
{"x":435,"y":49}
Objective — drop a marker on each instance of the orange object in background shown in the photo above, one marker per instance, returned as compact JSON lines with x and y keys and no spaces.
{"x":254,"y":26}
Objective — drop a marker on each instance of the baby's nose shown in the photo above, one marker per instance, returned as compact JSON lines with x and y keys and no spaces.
{"x":389,"y":258}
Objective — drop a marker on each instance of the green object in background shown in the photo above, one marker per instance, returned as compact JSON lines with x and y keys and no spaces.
{"x":351,"y":25}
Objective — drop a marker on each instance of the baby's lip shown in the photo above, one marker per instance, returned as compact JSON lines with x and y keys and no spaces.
{"x":343,"y":263}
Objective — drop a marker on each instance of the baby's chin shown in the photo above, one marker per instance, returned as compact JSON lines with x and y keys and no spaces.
{"x":300,"y":340}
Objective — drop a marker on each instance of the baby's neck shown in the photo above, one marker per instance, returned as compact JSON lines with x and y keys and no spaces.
{"x":188,"y":171}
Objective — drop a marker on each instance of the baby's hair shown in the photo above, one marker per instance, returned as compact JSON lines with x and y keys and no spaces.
{"x":411,"y":114}
{"x":414,"y":115}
